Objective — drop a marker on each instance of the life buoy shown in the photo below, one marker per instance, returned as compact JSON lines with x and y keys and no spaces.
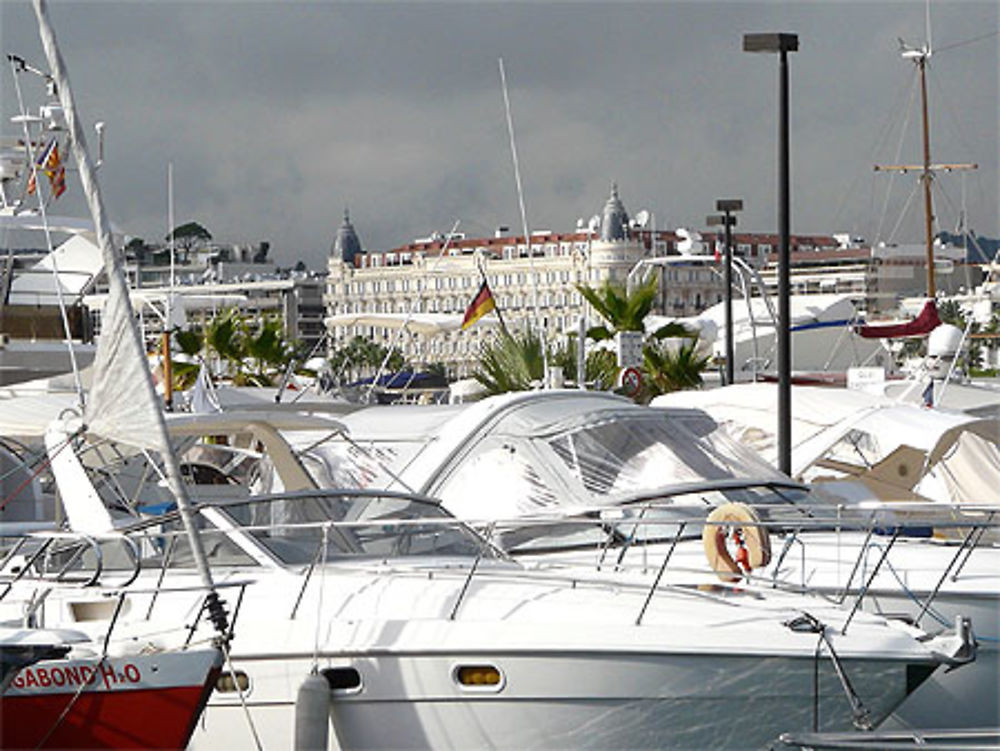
{"x":753,"y":541}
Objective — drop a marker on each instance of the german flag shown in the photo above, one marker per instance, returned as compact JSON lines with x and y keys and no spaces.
{"x":481,"y":304}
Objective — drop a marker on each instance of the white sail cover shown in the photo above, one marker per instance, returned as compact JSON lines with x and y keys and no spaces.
{"x":121,"y":405}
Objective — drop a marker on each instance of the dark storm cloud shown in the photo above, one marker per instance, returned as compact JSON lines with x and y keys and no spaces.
{"x":278,"y":115}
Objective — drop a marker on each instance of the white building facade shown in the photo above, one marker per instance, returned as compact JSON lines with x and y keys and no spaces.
{"x":533,"y":282}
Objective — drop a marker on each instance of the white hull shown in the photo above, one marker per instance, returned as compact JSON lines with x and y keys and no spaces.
{"x":552,"y":701}
{"x":577,"y":671}
{"x":968,"y":697}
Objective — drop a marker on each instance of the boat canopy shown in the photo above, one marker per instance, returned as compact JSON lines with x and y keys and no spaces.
{"x":942,"y":454}
{"x":531,"y":452}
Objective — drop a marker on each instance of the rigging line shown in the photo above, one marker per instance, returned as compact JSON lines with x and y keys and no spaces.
{"x":914,"y":80}
{"x":410,"y":311}
{"x":224,"y":646}
{"x":965,"y":42}
{"x":905,"y":210}
{"x":524,"y":216}
{"x":41,"y":467}
{"x":319,"y":599}
{"x":29,"y":147}
{"x":882,"y":136}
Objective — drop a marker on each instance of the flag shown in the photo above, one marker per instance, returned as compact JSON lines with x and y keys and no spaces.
{"x":45,"y":154}
{"x":48,"y":161}
{"x":481,"y":304}
{"x":59,"y":182}
{"x":52,"y":160}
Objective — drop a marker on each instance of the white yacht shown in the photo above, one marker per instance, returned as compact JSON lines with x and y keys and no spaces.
{"x":521,"y":458}
{"x":426,"y":637}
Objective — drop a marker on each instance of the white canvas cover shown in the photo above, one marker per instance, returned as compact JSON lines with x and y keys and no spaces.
{"x":122,"y":405}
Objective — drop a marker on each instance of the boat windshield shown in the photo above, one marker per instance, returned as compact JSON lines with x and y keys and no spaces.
{"x":594,"y":460}
{"x":292,"y":527}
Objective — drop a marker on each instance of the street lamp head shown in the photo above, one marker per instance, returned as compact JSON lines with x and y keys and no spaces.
{"x":729,"y":204}
{"x":770,"y":42}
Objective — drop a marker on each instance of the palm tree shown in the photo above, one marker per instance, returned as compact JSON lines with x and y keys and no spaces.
{"x":268,"y":351}
{"x":360,"y":354}
{"x":672,"y":368}
{"x":623,"y":310}
{"x":512,"y":362}
{"x":189,"y":342}
{"x":224,"y":338}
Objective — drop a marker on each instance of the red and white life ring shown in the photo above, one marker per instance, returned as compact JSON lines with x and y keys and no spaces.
{"x":752,"y":540}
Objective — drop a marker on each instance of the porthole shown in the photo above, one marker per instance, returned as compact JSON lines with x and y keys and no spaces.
{"x":480,"y":677}
{"x":342,"y":679}
{"x":228,"y":683}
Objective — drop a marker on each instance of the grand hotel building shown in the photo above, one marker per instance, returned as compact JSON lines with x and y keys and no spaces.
{"x":530,"y":280}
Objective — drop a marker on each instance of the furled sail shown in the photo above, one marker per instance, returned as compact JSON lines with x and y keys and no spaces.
{"x":927,"y":321}
{"x":122,"y":405}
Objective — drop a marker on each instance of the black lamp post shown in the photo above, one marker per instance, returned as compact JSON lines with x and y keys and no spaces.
{"x":727,"y":206}
{"x":781,"y":44}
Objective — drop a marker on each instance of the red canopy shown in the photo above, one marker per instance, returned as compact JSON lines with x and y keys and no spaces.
{"x":924,"y":323}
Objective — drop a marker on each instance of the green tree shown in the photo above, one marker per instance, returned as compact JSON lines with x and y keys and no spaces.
{"x":188,"y":236}
{"x":362,"y":355}
{"x":672,"y":368}
{"x":189,"y":342}
{"x":622,"y":310}
{"x":511,"y":362}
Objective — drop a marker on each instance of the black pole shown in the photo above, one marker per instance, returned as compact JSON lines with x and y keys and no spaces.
{"x":730,"y":355}
{"x":784,"y":313}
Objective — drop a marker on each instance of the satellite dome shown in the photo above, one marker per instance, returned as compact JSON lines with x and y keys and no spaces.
{"x":615,"y":219}
{"x":346,"y":246}
{"x":944,"y":341}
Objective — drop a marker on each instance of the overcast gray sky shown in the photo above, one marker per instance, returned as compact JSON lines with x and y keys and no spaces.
{"x":277,"y":115}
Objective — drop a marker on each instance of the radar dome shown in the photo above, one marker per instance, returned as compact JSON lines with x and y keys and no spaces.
{"x":944,"y":341}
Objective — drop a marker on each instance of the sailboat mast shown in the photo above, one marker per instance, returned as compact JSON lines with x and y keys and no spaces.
{"x":927,"y":176}
{"x":141,"y":423}
{"x":920,"y":57}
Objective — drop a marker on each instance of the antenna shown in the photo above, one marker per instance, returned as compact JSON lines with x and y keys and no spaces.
{"x":927,"y":25}
{"x":99,"y":127}
{"x":524,"y":216}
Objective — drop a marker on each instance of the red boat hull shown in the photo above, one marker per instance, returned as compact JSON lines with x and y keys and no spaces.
{"x":141,"y":702}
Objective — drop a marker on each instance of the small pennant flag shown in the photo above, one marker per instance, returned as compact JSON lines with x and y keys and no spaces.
{"x":59,"y":181}
{"x":481,"y":304}
{"x":45,"y":155}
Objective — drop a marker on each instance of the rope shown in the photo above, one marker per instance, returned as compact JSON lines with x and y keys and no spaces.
{"x":44,"y":463}
{"x":319,"y":600}
{"x":224,"y":646}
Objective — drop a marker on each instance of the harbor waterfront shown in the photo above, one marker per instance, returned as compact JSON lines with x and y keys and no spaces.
{"x":626,"y":485}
